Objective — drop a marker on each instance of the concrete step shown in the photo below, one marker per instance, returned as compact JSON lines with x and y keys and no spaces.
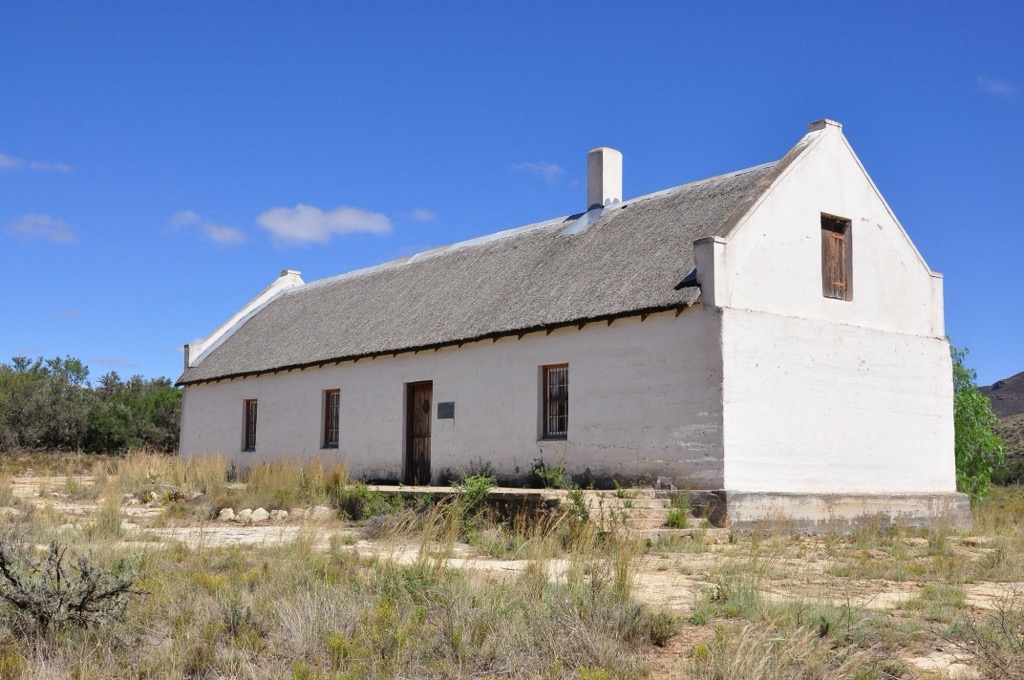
{"x":705,"y":535}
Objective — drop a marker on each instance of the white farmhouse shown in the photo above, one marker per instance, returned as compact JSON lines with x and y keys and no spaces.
{"x":771,"y":336}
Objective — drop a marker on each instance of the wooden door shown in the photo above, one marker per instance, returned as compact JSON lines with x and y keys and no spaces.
{"x":418,"y":401}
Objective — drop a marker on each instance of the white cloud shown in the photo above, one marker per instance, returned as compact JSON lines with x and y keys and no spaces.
{"x":549,"y":172}
{"x":423,"y":215}
{"x":221,"y":233}
{"x":8,"y":162}
{"x":309,"y":224}
{"x":50,"y":167}
{"x":996,"y":87}
{"x":43,"y":226}
{"x":218,"y":233}
{"x":185,"y":217}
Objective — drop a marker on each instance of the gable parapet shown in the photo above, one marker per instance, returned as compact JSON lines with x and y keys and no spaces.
{"x":196,"y":351}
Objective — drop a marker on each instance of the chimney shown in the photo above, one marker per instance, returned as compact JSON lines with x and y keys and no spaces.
{"x":604,"y":177}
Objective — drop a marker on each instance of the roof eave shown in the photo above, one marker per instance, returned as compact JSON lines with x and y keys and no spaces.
{"x":609,"y":318}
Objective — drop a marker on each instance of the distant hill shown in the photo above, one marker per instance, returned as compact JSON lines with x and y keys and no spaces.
{"x":1007,"y":395}
{"x":1011,"y":429}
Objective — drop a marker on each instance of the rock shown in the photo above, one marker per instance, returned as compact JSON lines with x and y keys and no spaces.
{"x":259,"y":515}
{"x":245,"y":516}
{"x":226,"y":515}
{"x":278,"y":515}
{"x":321,"y":513}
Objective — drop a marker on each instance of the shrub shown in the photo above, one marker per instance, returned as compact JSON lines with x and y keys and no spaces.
{"x":978,"y":450}
{"x":544,"y":477}
{"x":359,"y":502}
{"x":473,"y":492}
{"x":51,"y":593}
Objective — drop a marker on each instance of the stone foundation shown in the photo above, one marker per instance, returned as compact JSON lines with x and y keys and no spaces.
{"x":844,"y":512}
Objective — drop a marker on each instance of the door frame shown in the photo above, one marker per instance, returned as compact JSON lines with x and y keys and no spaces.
{"x":407,"y":459}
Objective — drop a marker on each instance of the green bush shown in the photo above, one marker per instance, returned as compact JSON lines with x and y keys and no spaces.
{"x":359,"y":502}
{"x":978,"y":449}
{"x":543,"y":476}
{"x":473,"y":492}
{"x":49,"y":404}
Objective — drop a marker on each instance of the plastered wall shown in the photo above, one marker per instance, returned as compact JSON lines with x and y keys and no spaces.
{"x":828,"y":408}
{"x":645,"y":402}
{"x":772,"y":260}
{"x":825,"y":395}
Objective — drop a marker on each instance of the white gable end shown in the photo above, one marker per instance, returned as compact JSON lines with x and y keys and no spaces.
{"x":825,"y":395}
{"x":773,"y":261}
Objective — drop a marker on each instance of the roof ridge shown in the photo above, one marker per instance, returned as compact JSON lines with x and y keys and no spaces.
{"x":514,"y":231}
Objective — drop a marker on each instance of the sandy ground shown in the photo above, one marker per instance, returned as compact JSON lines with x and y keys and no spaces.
{"x":672,"y":580}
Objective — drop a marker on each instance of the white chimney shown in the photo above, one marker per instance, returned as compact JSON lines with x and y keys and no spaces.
{"x":604,"y":177}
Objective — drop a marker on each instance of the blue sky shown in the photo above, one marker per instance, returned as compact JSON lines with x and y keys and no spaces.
{"x":160,"y":163}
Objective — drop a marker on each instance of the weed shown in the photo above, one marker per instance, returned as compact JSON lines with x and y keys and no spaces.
{"x":622,"y":492}
{"x":548,"y":477}
{"x":107,"y":523}
{"x":6,"y":489}
{"x":358,"y":502}
{"x":578,"y":507}
{"x":473,"y":492}
{"x":677,"y":518}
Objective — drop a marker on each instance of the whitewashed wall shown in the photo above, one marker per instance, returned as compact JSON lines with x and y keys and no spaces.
{"x":645,"y":402}
{"x":822,"y":407}
{"x":823,"y":395}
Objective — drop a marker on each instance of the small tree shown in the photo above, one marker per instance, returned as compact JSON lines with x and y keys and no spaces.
{"x":978,"y":449}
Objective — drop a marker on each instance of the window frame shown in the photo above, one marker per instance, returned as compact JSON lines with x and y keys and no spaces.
{"x":250,"y":413}
{"x":549,"y":429}
{"x":836,"y":257}
{"x":331,"y":420}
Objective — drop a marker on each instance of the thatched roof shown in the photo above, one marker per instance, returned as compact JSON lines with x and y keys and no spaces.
{"x":627,"y":259}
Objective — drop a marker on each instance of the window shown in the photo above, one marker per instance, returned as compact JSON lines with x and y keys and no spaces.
{"x":249,"y":436}
{"x":555,"y":415}
{"x":836,"y":260}
{"x":332,"y":402}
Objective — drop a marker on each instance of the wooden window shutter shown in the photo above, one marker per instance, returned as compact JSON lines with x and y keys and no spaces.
{"x":835,"y":258}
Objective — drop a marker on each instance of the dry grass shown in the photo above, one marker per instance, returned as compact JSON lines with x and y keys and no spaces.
{"x":287,"y":483}
{"x":768,"y":605}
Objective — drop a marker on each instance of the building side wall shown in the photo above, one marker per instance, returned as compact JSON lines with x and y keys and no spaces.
{"x":645,"y":401}
{"x":819,"y":407}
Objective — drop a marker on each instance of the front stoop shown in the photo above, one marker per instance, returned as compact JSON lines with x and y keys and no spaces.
{"x":645,"y":510}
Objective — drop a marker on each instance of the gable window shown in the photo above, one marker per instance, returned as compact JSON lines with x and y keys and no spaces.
{"x":249,"y":435}
{"x":555,"y":413}
{"x":332,"y":404}
{"x":836,"y":258}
